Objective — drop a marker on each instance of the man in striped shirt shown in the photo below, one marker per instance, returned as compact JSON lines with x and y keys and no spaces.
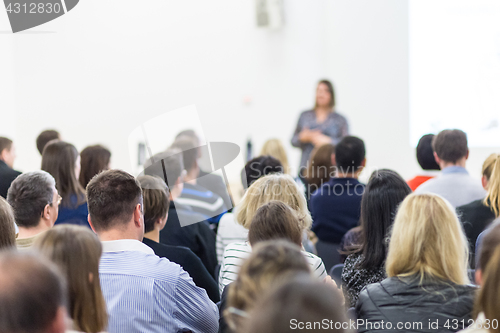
{"x":143,"y":293}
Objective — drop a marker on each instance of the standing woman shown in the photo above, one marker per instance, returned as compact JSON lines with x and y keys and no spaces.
{"x":62,"y":161}
{"x":94,"y":159}
{"x":320,"y":125}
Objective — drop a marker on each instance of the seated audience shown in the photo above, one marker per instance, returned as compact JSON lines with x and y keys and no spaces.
{"x":45,"y":137}
{"x":383,"y":194}
{"x":275,"y":148}
{"x":210,"y":181}
{"x":7,"y":222}
{"x":278,"y":187}
{"x":62,"y":161}
{"x":427,"y":272}
{"x":270,"y":264}
{"x":477,"y":215}
{"x":34,"y":199}
{"x":156,"y":203}
{"x":143,"y":293}
{"x":76,"y":250}
{"x":200,"y":199}
{"x":182,"y":227}
{"x":489,"y":243}
{"x":299,"y":305}
{"x":94,"y":159}
{"x":7,"y":157}
{"x":479,"y":240}
{"x":454,"y":183}
{"x":335,"y":206}
{"x":320,"y":169}
{"x":32,"y":295}
{"x":425,"y":157}
{"x":230,"y":231}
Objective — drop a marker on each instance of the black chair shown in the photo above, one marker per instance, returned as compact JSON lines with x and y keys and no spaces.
{"x":329,"y":253}
{"x":336,"y":274}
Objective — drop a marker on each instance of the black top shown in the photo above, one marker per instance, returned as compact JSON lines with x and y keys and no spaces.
{"x":403,"y":300}
{"x":190,"y":263}
{"x":197,"y":236}
{"x":7,"y":176}
{"x":475,"y":217}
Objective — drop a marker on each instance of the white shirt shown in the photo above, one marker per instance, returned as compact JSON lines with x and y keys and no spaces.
{"x":229,"y":231}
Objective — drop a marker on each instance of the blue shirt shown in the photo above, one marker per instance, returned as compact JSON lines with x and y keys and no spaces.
{"x":77,"y":215}
{"x":145,"y":293}
{"x":335,"y":208}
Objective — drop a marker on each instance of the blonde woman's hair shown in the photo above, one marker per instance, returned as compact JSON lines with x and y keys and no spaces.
{"x":428,"y":241}
{"x":274,"y":148}
{"x":489,"y":294}
{"x":491,"y":170}
{"x":77,"y":251}
{"x":271,"y":263}
{"x":278,"y":187}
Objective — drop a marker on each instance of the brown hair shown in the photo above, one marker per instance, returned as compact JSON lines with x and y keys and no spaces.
{"x":94,"y":159}
{"x":45,"y":137}
{"x":269,"y":262}
{"x":59,"y":159}
{"x":7,"y":231}
{"x":329,"y":85}
{"x":450,"y":145}
{"x":275,"y":220}
{"x":488,"y":244}
{"x":112,"y":197}
{"x":5,"y":143}
{"x":489,"y":294}
{"x":492,"y":199}
{"x":77,"y":250}
{"x":156,"y":196}
{"x":189,"y":151}
{"x":32,"y":291}
{"x":320,"y":167}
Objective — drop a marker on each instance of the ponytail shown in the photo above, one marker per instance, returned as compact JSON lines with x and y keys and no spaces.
{"x":492,"y":199}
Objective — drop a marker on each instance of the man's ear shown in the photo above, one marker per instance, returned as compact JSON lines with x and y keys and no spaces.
{"x":58,"y":325}
{"x":467,"y":155}
{"x":90,"y":223}
{"x":363,"y":162}
{"x":138,"y":217}
{"x":436,"y":158}
{"x":46,"y":214}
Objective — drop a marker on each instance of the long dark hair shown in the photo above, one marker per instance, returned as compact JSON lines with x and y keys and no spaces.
{"x":59,"y":159}
{"x":383,"y":194}
{"x":320,"y":167}
{"x":94,"y":159}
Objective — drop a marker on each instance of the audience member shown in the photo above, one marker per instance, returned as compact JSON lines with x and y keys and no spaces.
{"x":477,"y":215}
{"x":32,"y":295}
{"x":479,"y":240}
{"x":7,"y":222}
{"x":270,"y":263}
{"x":94,"y":159}
{"x":45,"y":137}
{"x":489,"y":243}
{"x":76,"y":250}
{"x":210,"y":181}
{"x":278,"y":187}
{"x":454,"y":183}
{"x":427,"y":271}
{"x":300,"y":304}
{"x":62,"y":161}
{"x":425,"y":157}
{"x":131,"y":275}
{"x":182,"y":227}
{"x":275,"y":148}
{"x":156,"y":196}
{"x":335,"y":206}
{"x":320,"y":169}
{"x":200,"y":199}
{"x":34,"y":199}
{"x":7,"y":157}
{"x":383,"y":194}
{"x":230,"y":231}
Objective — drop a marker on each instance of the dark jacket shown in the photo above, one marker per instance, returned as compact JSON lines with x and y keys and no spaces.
{"x":197,"y":236}
{"x":7,"y":176}
{"x":190,"y":263}
{"x":433,"y":305}
{"x":475,"y":217}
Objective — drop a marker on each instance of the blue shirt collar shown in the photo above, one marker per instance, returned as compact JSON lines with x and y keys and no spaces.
{"x":454,"y":169}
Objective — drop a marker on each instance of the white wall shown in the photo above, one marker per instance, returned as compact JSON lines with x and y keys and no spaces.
{"x":107,"y":66}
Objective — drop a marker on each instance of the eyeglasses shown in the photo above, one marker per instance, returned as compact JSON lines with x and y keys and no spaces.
{"x":59,"y":199}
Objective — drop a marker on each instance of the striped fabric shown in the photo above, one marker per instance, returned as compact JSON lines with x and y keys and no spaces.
{"x":236,"y":253}
{"x":145,"y":293}
{"x":229,"y":231}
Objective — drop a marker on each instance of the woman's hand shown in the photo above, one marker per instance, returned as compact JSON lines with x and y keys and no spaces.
{"x":320,"y":139}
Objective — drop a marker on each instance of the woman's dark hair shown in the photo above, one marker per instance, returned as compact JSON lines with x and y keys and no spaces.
{"x":329,"y":85}
{"x":320,"y":168}
{"x":156,"y":200}
{"x":94,"y":159}
{"x":383,"y":194}
{"x":59,"y":159}
{"x":259,"y":167}
{"x":275,"y":220}
{"x":425,"y":154}
{"x":7,"y":231}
